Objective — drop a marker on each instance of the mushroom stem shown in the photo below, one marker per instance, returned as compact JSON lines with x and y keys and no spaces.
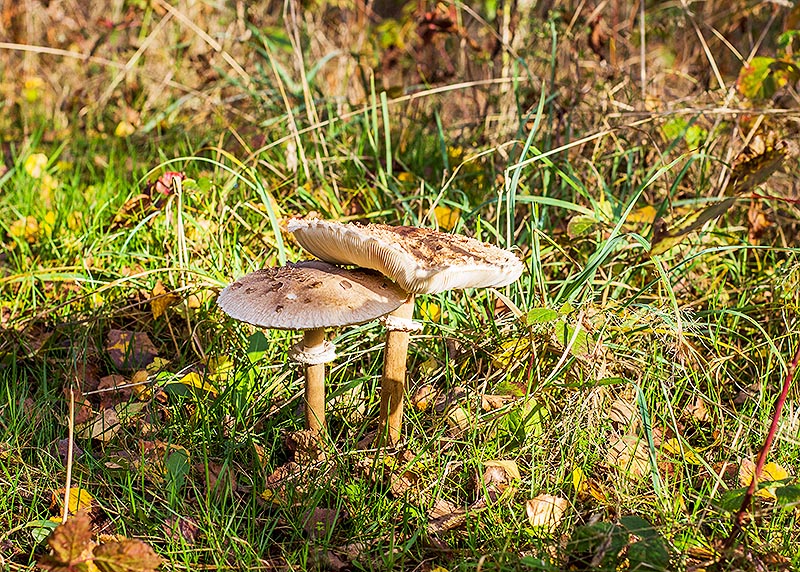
{"x":315,"y":383}
{"x":393,"y":382}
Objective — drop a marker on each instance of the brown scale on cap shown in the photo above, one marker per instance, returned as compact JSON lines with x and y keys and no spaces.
{"x":310,"y":294}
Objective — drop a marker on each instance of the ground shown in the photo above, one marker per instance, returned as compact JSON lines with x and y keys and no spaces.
{"x":604,"y":412}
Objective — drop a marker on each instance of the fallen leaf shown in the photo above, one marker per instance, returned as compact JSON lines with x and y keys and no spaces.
{"x":499,"y":477}
{"x":161,"y":299}
{"x":134,"y":209}
{"x":697,"y":410}
{"x":770,"y":472}
{"x":103,"y":427}
{"x":124,"y":129}
{"x":546,"y":511}
{"x":458,"y":421}
{"x":444,"y":516}
{"x":193,"y":379}
{"x":625,"y":414}
{"x":114,"y":389}
{"x":673,"y":447}
{"x":79,"y":499}
{"x":181,"y":529}
{"x":35,"y":165}
{"x":70,"y":546}
{"x":446,"y":217}
{"x":757,"y":221}
{"x":319,"y":521}
{"x":430,"y":311}
{"x":25,"y":228}
{"x":629,"y":455}
{"x":305,"y":445}
{"x":423,"y":397}
{"x":508,"y":471}
{"x":130,"y":351}
{"x":126,"y":556}
{"x":492,"y":402}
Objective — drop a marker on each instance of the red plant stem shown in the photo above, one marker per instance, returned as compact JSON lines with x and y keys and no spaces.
{"x":741,"y":514}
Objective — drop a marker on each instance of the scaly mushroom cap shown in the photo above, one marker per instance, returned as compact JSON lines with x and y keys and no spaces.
{"x":420,"y":260}
{"x":310,"y":294}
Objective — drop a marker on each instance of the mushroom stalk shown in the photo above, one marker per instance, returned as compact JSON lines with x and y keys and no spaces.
{"x":313,"y":342}
{"x":393,"y":382}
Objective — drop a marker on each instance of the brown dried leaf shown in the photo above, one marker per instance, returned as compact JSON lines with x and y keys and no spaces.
{"x":492,"y":402}
{"x":70,"y":545}
{"x":423,"y":397}
{"x":113,"y":390}
{"x":126,"y":556}
{"x":629,"y":455}
{"x":757,"y":221}
{"x":181,"y":528}
{"x":546,"y":511}
{"x":625,"y":414}
{"x":445,"y":516}
{"x":319,"y":521}
{"x":130,"y":350}
{"x":103,"y":427}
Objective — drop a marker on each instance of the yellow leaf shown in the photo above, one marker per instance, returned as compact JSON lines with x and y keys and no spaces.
{"x":139,"y":385}
{"x":124,"y":129}
{"x":26,"y":228}
{"x":770,"y":472}
{"x":35,"y":164}
{"x":193,"y":379}
{"x":430,"y":311}
{"x":32,"y":89}
{"x":687,"y":454}
{"x":161,"y":299}
{"x":446,"y":217}
{"x":546,"y":511}
{"x":580,"y":482}
{"x":643,"y":215}
{"x":79,"y":499}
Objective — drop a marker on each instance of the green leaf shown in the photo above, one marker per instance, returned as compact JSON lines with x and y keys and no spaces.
{"x":755,"y":81}
{"x":788,"y":495}
{"x":648,"y":555}
{"x":177,"y":466}
{"x":581,"y":346}
{"x":581,"y":225}
{"x":541,"y":316}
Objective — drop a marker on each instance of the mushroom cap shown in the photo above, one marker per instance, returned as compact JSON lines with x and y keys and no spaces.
{"x":310,"y":294}
{"x":420,"y":260}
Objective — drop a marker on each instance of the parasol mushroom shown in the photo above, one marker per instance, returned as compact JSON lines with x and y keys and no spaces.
{"x":310,"y":296}
{"x":420,"y":261}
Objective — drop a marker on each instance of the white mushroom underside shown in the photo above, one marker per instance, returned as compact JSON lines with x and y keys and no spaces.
{"x":421,"y":261}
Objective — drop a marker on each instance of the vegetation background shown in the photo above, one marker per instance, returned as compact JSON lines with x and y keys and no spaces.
{"x":603,"y":413}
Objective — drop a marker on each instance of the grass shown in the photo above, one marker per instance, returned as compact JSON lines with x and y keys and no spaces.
{"x":686,"y":350}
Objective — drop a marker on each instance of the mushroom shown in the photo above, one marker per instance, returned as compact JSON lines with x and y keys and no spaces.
{"x":420,"y":261}
{"x":310,"y":296}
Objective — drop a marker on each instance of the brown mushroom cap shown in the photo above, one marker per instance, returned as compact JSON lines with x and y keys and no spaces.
{"x":310,"y":294}
{"x":420,"y":260}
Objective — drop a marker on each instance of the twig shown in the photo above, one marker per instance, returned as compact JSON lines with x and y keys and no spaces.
{"x":741,"y":515}
{"x":71,"y":436}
